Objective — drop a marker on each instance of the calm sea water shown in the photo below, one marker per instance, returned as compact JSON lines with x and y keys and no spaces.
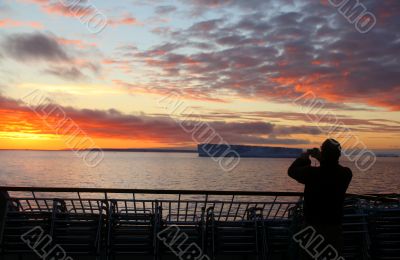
{"x":173,"y":171}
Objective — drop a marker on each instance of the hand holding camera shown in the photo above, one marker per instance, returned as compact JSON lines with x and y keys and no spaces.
{"x":315,"y":153}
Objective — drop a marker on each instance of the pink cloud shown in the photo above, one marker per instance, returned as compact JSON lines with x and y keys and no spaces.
{"x":14,"y":23}
{"x":127,"y":20}
{"x":60,"y":9}
{"x":73,"y":42}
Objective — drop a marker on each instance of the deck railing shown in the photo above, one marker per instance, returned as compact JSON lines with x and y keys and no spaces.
{"x":177,"y":205}
{"x":271,"y":217}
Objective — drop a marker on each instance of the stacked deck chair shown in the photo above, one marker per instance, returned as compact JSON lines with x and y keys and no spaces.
{"x":78,"y":231}
{"x":131,"y":233}
{"x":182,"y":234}
{"x":385,"y":233}
{"x":235,"y":239}
{"x":355,"y":231}
{"x":21,"y":230}
{"x":277,"y":236}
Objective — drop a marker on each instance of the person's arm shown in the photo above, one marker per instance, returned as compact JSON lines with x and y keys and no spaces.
{"x":300,"y":168}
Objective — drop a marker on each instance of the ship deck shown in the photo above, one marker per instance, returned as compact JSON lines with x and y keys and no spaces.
{"x":178,"y":224}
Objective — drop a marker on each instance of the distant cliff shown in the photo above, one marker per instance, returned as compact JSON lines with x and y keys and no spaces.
{"x":217,"y":150}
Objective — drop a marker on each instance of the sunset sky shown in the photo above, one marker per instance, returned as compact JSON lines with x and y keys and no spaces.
{"x":237,"y":64}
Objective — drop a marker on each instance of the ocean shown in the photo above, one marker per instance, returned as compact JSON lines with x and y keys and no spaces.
{"x":174,"y":171}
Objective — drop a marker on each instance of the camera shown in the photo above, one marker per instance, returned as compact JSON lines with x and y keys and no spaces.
{"x":314,"y":152}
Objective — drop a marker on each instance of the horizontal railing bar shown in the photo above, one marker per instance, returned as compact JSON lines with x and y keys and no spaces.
{"x":164,"y":201}
{"x":148,"y":191}
{"x":174,"y":192}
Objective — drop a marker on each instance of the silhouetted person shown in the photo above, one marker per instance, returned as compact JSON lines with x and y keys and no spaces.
{"x":325,"y":189}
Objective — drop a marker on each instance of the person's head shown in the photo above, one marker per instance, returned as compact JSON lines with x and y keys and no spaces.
{"x":331,"y":151}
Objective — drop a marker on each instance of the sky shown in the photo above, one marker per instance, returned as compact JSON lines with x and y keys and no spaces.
{"x":118,"y":70}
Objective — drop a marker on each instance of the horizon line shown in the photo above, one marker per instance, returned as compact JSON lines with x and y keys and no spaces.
{"x":188,"y":149}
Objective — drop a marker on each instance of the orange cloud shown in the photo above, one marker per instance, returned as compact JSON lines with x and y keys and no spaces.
{"x":14,"y":23}
{"x":52,"y":122}
{"x":75,"y":10}
{"x":328,"y":89}
{"x":21,"y":124}
{"x":78,"y":43}
{"x":127,"y":20}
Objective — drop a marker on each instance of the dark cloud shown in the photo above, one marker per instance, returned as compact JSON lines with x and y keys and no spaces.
{"x":200,"y":7}
{"x":4,"y":8}
{"x":322,"y":122}
{"x":114,"y":124}
{"x":34,"y":47}
{"x":72,"y":73}
{"x":339,"y":106}
{"x":11,"y":104}
{"x":249,"y":4}
{"x":63,"y":57}
{"x":165,"y":9}
{"x":279,"y":50}
{"x":258,"y":128}
{"x":290,"y":130}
